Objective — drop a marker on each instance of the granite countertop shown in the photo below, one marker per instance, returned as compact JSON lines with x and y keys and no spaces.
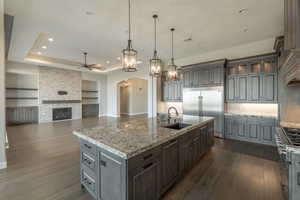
{"x":289,"y":124}
{"x":253,"y":115}
{"x":129,"y":138}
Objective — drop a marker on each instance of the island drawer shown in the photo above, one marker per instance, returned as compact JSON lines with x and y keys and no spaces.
{"x":88,"y":147}
{"x":144,"y":158}
{"x":88,"y":161}
{"x":89,"y":182}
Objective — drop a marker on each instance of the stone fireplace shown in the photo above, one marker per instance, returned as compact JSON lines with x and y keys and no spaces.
{"x":59,"y":94}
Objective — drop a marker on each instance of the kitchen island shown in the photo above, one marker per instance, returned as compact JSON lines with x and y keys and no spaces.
{"x":141,"y":158}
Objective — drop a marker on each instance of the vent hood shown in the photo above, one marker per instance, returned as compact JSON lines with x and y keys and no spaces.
{"x":292,"y":68}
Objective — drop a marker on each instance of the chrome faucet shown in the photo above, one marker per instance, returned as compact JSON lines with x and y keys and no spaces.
{"x":170,"y":108}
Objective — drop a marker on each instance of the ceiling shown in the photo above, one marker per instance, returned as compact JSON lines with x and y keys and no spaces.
{"x":100,"y":26}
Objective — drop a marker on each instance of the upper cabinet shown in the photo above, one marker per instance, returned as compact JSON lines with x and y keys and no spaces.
{"x":291,"y":24}
{"x":252,"y":79}
{"x":204,"y":74}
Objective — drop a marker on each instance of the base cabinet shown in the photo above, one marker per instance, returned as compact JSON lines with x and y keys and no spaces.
{"x":251,"y":129}
{"x":146,"y":176}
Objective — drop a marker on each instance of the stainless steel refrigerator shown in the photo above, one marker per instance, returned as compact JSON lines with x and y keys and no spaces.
{"x":208,"y":101}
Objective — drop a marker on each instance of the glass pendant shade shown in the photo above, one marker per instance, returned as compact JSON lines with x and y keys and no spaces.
{"x":129,"y":59}
{"x":173,"y":70}
{"x":155,"y":62}
{"x":155,"y":67}
{"x":129,"y":55}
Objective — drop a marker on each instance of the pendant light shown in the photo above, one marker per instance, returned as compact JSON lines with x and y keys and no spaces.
{"x":155,"y":62}
{"x":129,"y":54}
{"x":173,"y":73}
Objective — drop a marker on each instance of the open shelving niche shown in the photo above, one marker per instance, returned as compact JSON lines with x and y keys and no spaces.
{"x":21,"y":98}
{"x":90,"y":98}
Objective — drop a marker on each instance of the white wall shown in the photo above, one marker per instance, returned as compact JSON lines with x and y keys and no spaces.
{"x":138,"y":96}
{"x":115,"y":77}
{"x":240,"y":51}
{"x":2,"y":89}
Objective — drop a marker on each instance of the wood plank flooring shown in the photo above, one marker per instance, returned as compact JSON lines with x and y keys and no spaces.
{"x":43,"y":164}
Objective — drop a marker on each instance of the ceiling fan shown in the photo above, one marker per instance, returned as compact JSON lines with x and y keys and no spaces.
{"x":91,"y":67}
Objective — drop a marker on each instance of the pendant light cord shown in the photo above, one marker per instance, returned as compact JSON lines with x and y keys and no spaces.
{"x":155,"y":34}
{"x":172,"y":30}
{"x":129,"y":16}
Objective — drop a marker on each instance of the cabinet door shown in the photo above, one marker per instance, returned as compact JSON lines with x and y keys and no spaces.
{"x":186,"y":156}
{"x":242,"y":129}
{"x":230,"y":89}
{"x":217,"y":75}
{"x":253,"y":131}
{"x":267,"y":133}
{"x":112,"y":178}
{"x":196,"y":148}
{"x":186,"y":79}
{"x":196,"y":78}
{"x":170,"y":163}
{"x":235,"y":127}
{"x":254,"y":88}
{"x":165,"y":91}
{"x":204,"y":139}
{"x":204,"y":77}
{"x":228,"y":127}
{"x":242,"y":88}
{"x":180,"y":88}
{"x":268,"y":87}
{"x":145,"y":183}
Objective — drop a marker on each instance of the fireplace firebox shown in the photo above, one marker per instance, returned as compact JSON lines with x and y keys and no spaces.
{"x":61,"y":113}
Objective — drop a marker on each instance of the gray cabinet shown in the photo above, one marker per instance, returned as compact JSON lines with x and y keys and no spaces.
{"x":250,"y":128}
{"x":170,"y":163}
{"x":172,"y":91}
{"x":145,"y":176}
{"x":204,"y":74}
{"x":111,"y":177}
{"x":253,"y":88}
{"x":22,"y":115}
{"x":145,"y":182}
{"x":252,"y":80}
{"x":253,"y":127}
{"x":230,"y":89}
{"x":90,"y":110}
{"x":268,"y":87}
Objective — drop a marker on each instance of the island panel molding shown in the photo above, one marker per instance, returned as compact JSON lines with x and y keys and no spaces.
{"x":126,"y":160}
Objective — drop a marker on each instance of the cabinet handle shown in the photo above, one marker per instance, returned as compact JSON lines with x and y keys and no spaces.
{"x":87,"y":146}
{"x":147,"y":166}
{"x":148,"y":156}
{"x":103,"y":163}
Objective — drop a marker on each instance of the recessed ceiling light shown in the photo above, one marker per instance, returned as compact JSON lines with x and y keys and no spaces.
{"x":187,"y":39}
{"x":89,"y":13}
{"x":107,"y":62}
{"x":39,"y":53}
{"x":243,"y":11}
{"x":118,"y":58}
{"x":50,"y":39}
{"x":44,"y":47}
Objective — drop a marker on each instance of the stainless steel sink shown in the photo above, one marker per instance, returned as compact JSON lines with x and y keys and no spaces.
{"x":177,"y":126}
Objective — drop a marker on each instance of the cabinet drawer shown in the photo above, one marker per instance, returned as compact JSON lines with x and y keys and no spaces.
{"x":88,"y":161}
{"x":144,"y":158}
{"x":88,"y":148}
{"x":88,"y":181}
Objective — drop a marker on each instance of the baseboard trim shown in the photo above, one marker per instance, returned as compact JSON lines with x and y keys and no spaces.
{"x":132,"y":114}
{"x":3,"y":165}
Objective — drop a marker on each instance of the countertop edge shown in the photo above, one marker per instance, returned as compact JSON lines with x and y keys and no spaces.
{"x":137,"y":152}
{"x":289,"y":124}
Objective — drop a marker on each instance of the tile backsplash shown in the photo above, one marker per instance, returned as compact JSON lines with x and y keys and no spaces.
{"x":252,"y":109}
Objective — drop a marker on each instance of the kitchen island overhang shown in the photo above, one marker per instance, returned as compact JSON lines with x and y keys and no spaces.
{"x":126,"y":160}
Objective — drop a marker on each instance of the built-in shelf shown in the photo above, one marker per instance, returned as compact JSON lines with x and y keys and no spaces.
{"x":28,"y":89}
{"x":90,"y":91}
{"x":60,"y":101}
{"x":21,"y":98}
{"x":89,"y":97}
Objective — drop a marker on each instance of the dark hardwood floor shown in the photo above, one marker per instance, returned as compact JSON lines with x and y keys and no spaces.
{"x":43,"y":164}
